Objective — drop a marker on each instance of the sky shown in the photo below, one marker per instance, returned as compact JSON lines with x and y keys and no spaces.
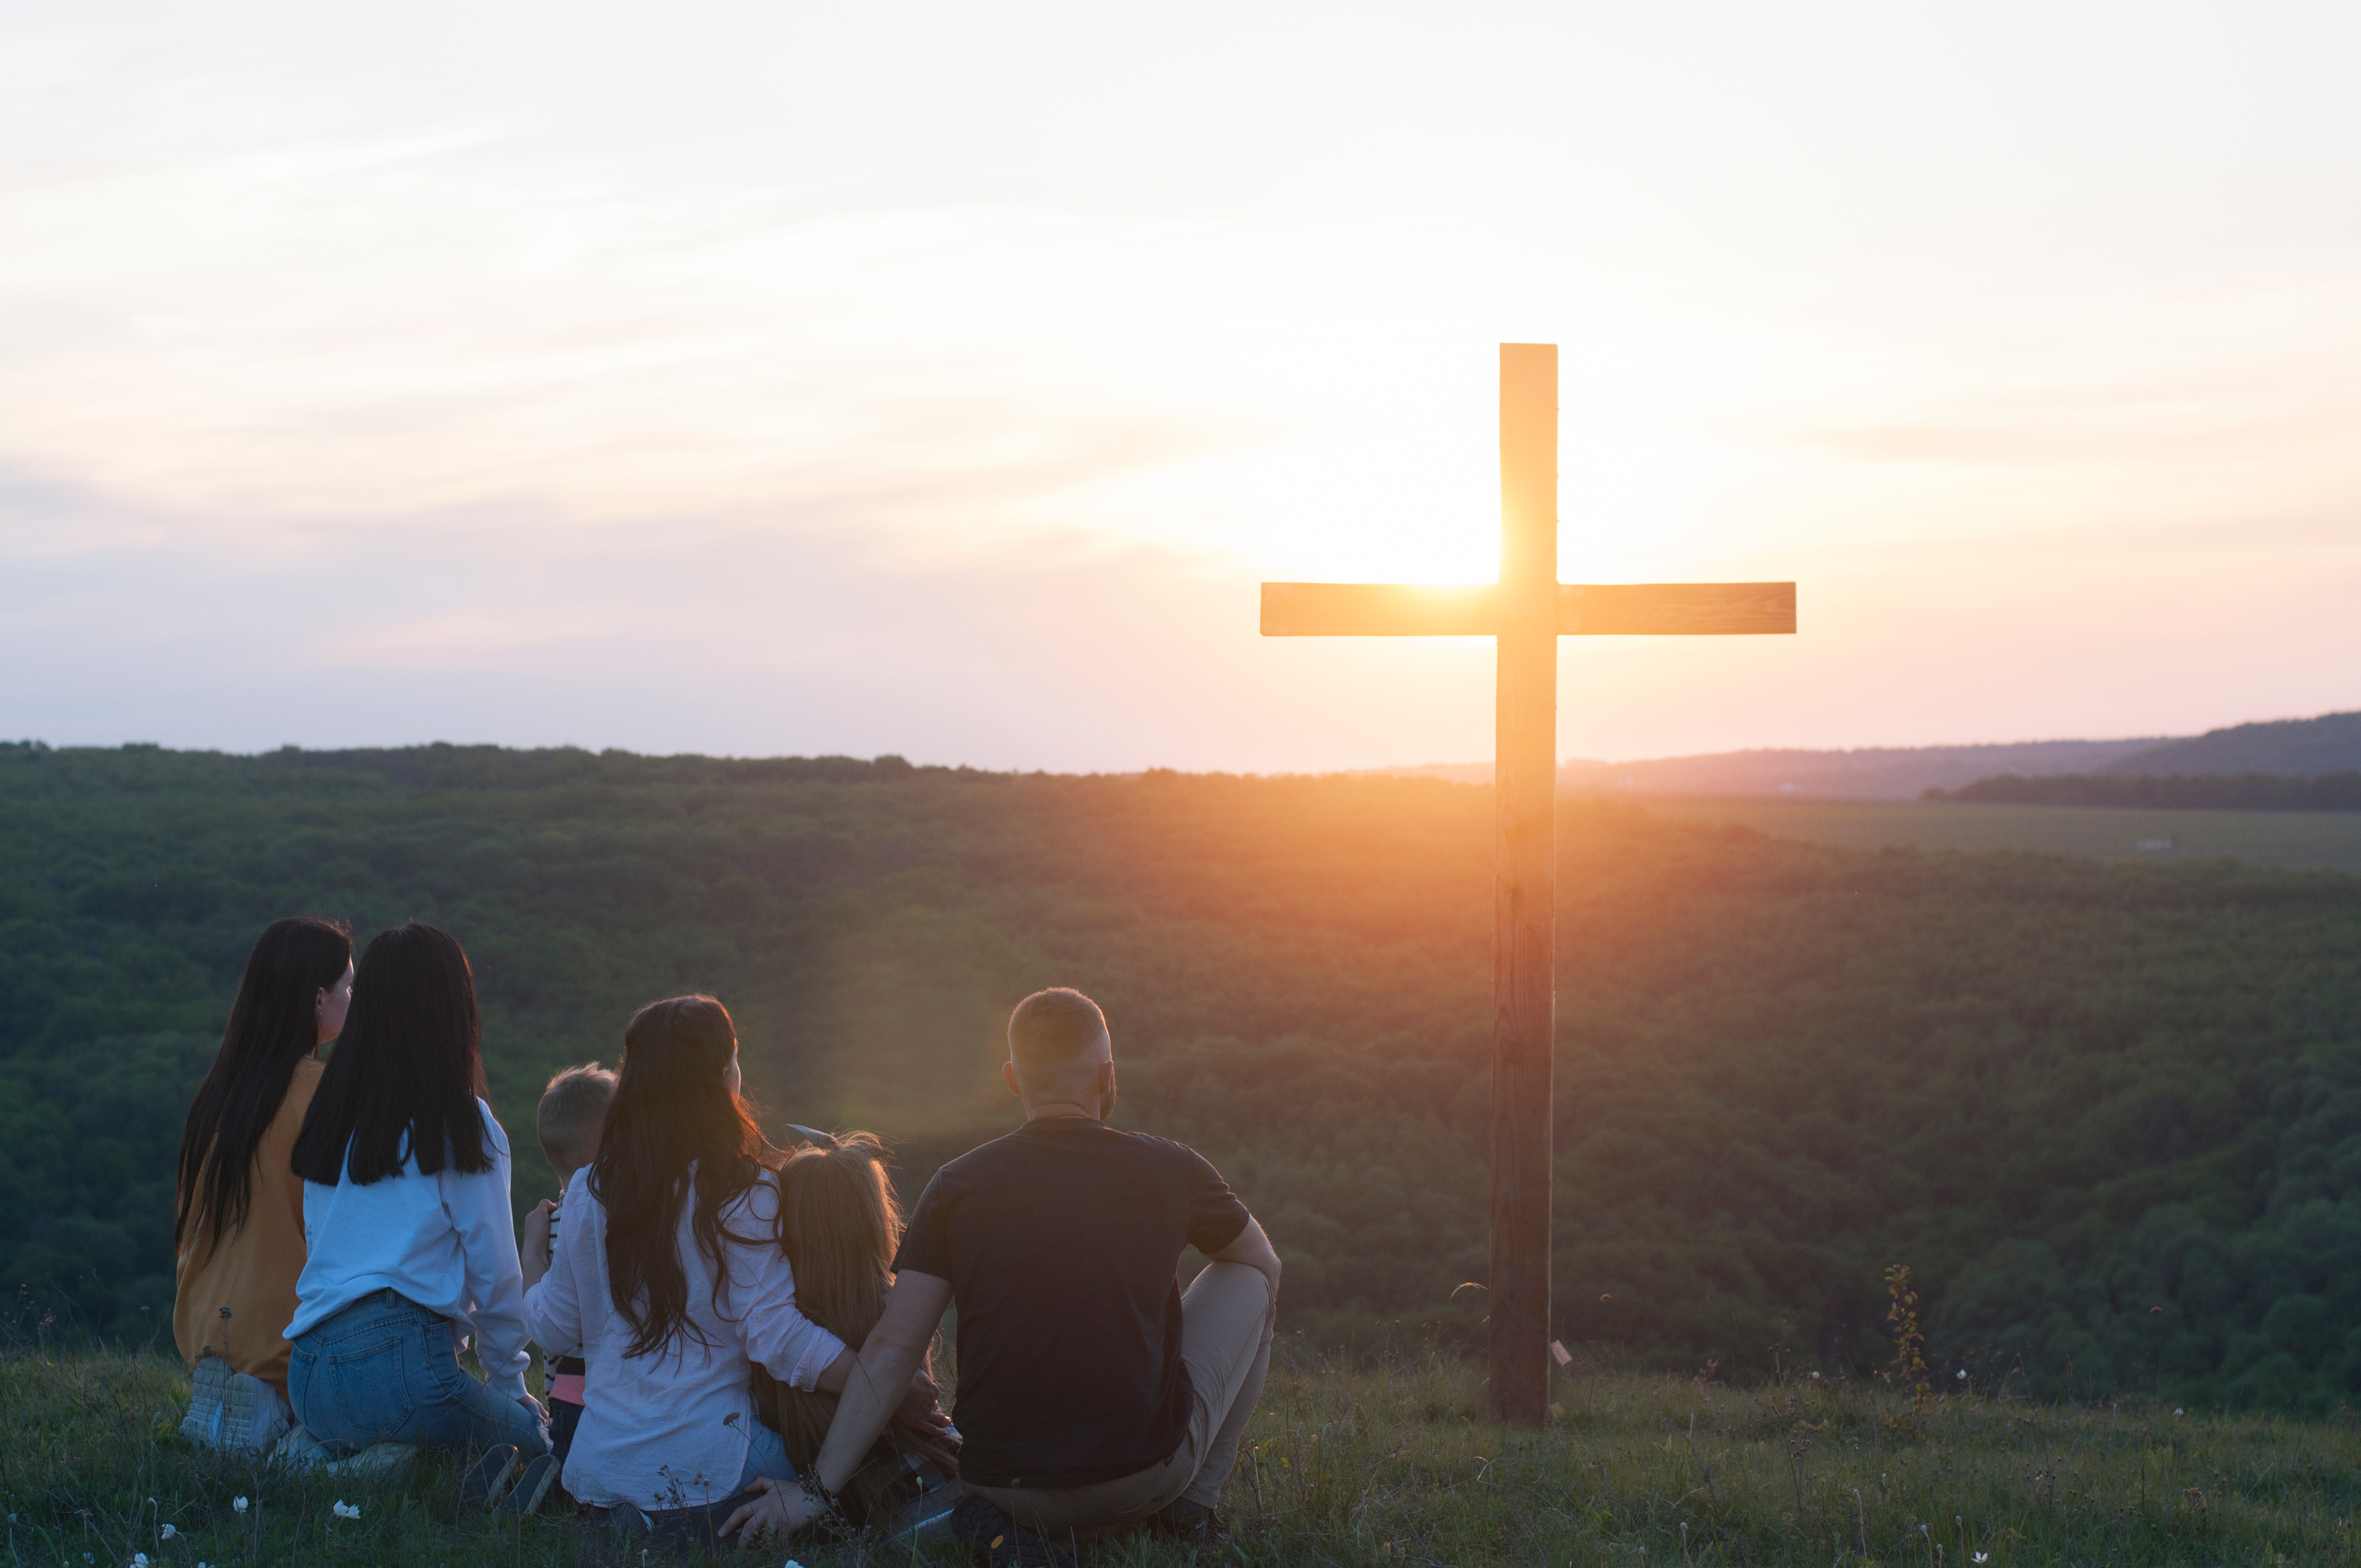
{"x":942,"y":381}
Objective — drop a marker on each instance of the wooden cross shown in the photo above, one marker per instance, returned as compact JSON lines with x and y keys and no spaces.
{"x":1526,"y":612}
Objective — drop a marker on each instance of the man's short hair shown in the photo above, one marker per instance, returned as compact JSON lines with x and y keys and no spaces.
{"x":573,"y":1109}
{"x":1053,"y":1027}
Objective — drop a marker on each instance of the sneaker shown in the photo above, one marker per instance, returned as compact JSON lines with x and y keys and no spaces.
{"x":485,"y":1479}
{"x":234,"y":1409}
{"x":204,"y":1421}
{"x":530,"y":1488}
{"x":999,"y":1542}
{"x":1193,"y":1525}
{"x":377,"y":1459}
{"x":299,"y":1450}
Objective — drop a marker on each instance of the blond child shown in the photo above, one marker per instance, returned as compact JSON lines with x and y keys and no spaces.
{"x":573,"y":1109}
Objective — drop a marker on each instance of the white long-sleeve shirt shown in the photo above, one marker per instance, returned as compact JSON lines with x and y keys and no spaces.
{"x":445,"y":1241}
{"x":668,"y":1431}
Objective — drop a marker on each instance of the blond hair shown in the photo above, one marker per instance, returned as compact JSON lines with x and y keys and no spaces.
{"x":840,"y":1224}
{"x":572,"y":1112}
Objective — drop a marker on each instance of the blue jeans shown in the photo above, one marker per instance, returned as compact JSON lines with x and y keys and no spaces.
{"x":699,"y":1528}
{"x":386,"y":1369}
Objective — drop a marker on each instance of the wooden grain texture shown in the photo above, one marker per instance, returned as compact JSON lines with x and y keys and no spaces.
{"x":1584,"y":609}
{"x":1379,"y":609}
{"x":1524,"y":873}
{"x":1675,"y":610}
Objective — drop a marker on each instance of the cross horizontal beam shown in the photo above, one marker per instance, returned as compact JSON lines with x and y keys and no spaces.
{"x":1584,"y":609}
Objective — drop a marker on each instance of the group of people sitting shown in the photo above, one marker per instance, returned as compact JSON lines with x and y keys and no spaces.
{"x":736,"y":1341}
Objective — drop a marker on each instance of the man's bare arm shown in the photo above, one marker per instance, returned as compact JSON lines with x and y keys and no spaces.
{"x":876,"y":1381}
{"x":1252,"y":1248}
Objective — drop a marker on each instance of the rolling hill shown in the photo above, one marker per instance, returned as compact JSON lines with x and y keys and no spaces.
{"x":2109,"y":1115}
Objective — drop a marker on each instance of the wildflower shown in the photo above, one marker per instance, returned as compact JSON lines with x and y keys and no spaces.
{"x":238,"y":1503}
{"x":1983,"y":1556}
{"x":1816,"y":1376}
{"x":2179,"y":1412}
{"x":345,"y":1510}
{"x":167,"y":1533}
{"x":1963,"y":1373}
{"x":139,"y":1560}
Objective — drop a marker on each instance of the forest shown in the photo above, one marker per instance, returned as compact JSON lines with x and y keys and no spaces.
{"x":2109,"y":1115}
{"x":2184,"y":792}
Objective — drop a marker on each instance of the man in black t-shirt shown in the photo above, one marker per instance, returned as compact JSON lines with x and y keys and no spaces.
{"x":1091,"y":1392}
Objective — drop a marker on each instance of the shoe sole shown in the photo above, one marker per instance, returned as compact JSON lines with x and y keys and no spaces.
{"x":206,"y":1402}
{"x":1004,"y":1543}
{"x":378,"y":1458}
{"x":482,"y":1482}
{"x":255,"y":1419}
{"x":531,"y":1487}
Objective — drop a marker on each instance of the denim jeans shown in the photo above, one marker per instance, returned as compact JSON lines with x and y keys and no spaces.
{"x":700,"y":1528}
{"x":386,"y":1369}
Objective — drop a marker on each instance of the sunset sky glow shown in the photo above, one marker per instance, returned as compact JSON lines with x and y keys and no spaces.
{"x":942,"y":381}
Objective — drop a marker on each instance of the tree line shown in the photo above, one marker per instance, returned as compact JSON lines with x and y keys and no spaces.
{"x":2110,"y":1115}
{"x":2194,"y":792}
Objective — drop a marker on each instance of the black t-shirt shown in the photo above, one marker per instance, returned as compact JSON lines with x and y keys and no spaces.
{"x":1059,"y":1242}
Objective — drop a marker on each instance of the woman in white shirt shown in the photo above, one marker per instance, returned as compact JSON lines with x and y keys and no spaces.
{"x":406,"y":1223}
{"x":669,"y":1275}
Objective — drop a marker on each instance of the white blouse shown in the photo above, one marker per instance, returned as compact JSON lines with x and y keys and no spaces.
{"x":668,"y":1431}
{"x":445,"y":1241}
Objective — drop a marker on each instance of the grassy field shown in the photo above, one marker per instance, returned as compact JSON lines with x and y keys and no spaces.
{"x":1391,"y":1464}
{"x":2318,"y":840}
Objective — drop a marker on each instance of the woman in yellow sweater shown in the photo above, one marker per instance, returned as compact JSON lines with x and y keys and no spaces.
{"x":237,"y":1222}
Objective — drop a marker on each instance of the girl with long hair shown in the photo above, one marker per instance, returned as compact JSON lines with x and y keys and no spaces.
{"x":237,"y":1211}
{"x":839,"y":1227}
{"x":406,"y":1209}
{"x":669,"y":1276}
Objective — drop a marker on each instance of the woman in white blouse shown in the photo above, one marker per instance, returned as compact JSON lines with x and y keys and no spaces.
{"x":408,"y":1241}
{"x":670,"y":1277}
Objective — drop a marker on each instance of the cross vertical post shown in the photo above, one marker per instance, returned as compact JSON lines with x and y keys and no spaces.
{"x":1524,"y":883}
{"x":1526,"y":611}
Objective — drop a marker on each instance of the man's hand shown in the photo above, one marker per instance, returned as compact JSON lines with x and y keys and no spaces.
{"x":777,"y":1510}
{"x":532,"y":1252}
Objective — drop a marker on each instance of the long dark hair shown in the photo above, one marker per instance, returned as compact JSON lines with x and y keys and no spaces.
{"x":673,"y":1107}
{"x":406,"y":1071}
{"x":273,"y":1025}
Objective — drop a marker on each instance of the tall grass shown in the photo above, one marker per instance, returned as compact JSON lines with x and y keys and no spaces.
{"x":1385,"y":1464}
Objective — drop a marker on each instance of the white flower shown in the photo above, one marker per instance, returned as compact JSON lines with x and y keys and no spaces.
{"x":238,"y":1503}
{"x":1963,"y":1373}
{"x":139,"y":1560}
{"x":1983,"y":1556}
{"x":1816,"y":1374}
{"x":2180,"y":1412}
{"x":169,"y":1533}
{"x":345,"y":1510}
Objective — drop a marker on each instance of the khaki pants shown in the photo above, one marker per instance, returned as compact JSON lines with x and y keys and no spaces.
{"x":1225,"y":1327}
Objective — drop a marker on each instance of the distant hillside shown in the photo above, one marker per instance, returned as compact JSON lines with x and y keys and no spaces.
{"x":2168,"y":792}
{"x":1880,"y":772}
{"x":2110,"y":1116}
{"x":2329,"y":744}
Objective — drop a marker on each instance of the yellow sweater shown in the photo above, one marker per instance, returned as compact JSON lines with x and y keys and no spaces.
{"x":233,"y":1300}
